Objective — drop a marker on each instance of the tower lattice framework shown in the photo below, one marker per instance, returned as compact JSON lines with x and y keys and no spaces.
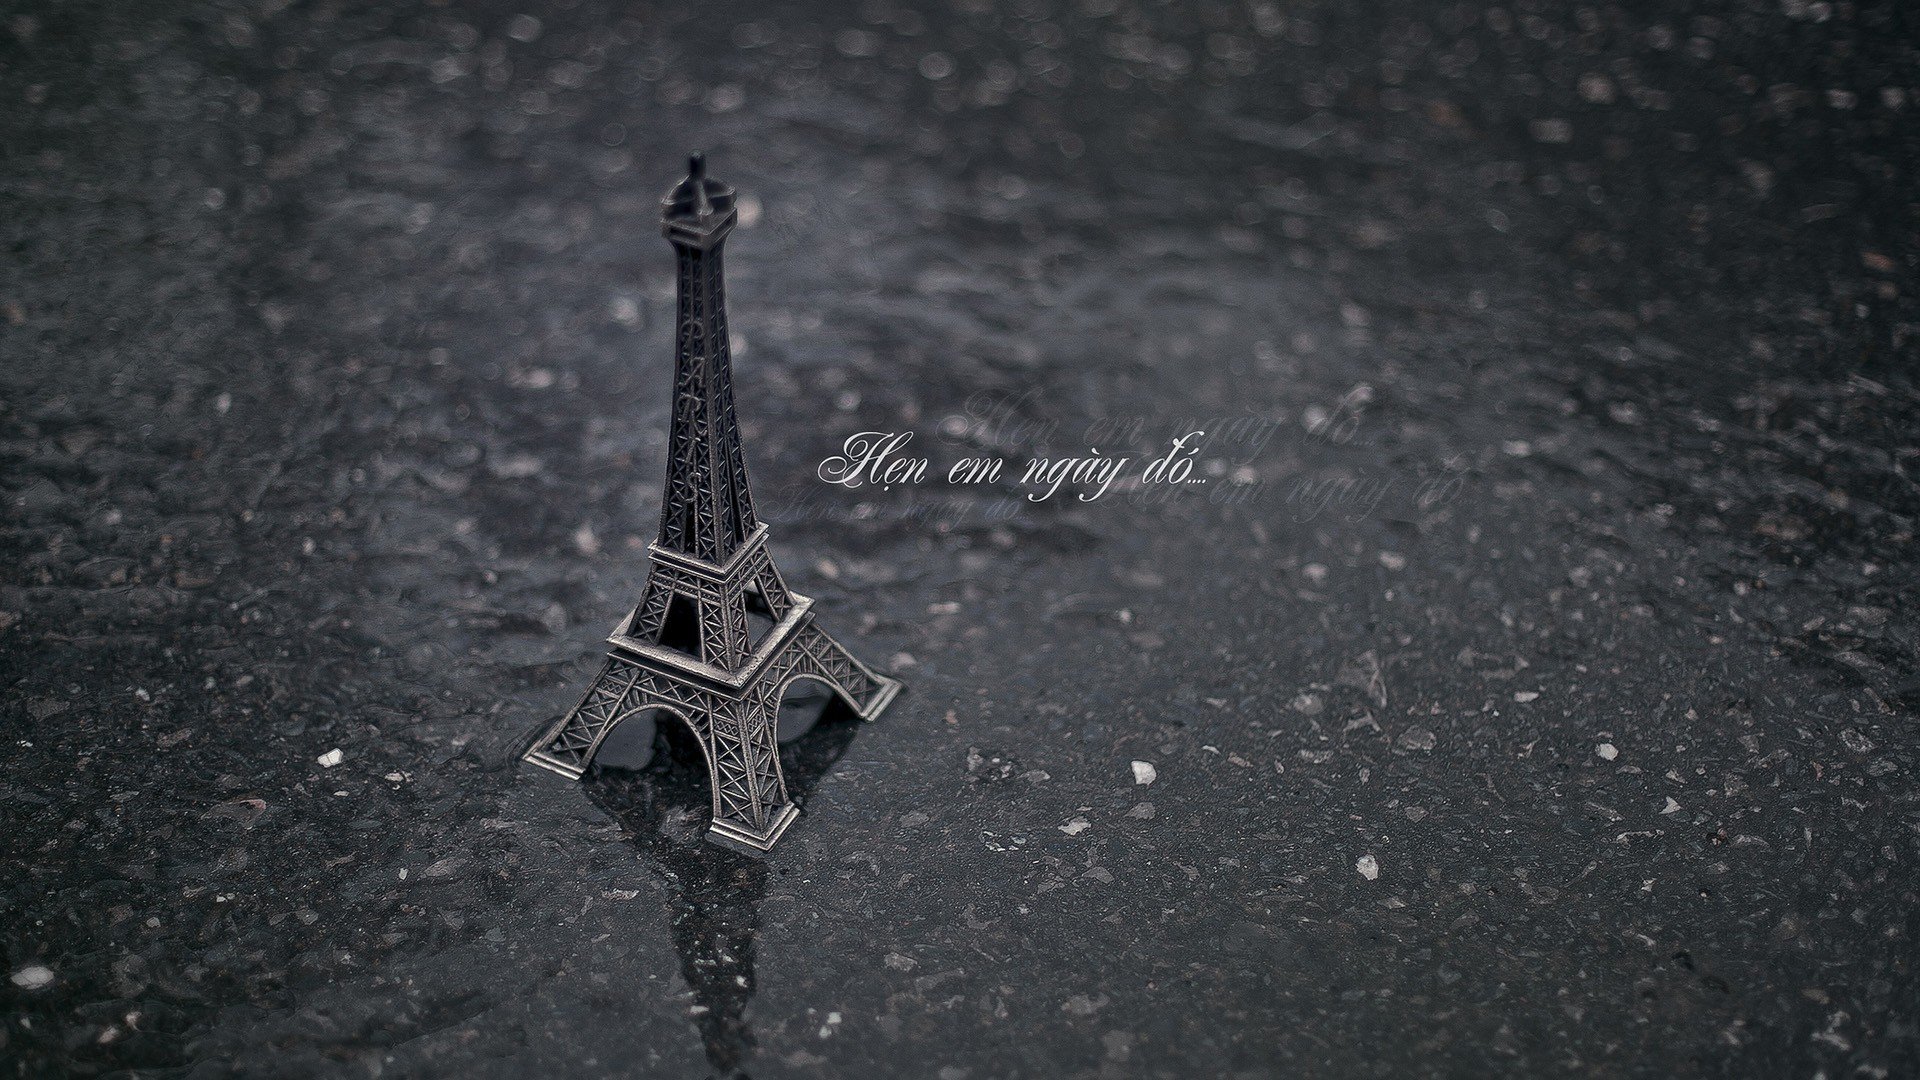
{"x":717,"y":636}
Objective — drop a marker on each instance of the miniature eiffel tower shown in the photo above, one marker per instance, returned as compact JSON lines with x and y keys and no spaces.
{"x":717,"y":635}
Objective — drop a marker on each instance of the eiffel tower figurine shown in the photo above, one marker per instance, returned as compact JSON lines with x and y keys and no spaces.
{"x":717,"y":635}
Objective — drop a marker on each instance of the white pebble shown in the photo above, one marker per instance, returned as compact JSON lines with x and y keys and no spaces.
{"x":1606,"y":751}
{"x":331,"y":758}
{"x":1671,"y":807}
{"x":1144,"y":772}
{"x":32,"y":977}
{"x":1368,"y":866}
{"x":1076,"y":826}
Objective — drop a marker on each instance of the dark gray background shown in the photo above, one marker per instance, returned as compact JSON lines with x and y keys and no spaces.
{"x":333,"y":372}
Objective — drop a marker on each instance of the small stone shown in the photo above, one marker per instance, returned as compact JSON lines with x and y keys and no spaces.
{"x":1075,"y":827}
{"x":1368,"y":867}
{"x":1393,"y":560}
{"x":1524,"y":696}
{"x":444,"y":868}
{"x":514,"y":466}
{"x":1417,"y":738}
{"x":1606,"y":751}
{"x":331,"y":758}
{"x":1672,"y":807}
{"x":936,"y":66}
{"x":1143,"y":811}
{"x":1555,"y":130}
{"x":1144,"y":772}
{"x":898,"y":962}
{"x":39,"y":708}
{"x":1082,"y":1005}
{"x":32,"y":977}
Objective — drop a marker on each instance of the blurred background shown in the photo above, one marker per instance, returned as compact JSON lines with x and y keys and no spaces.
{"x":1536,"y":698}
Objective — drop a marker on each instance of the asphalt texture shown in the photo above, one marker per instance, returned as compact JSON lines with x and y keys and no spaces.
{"x":1529,"y":690}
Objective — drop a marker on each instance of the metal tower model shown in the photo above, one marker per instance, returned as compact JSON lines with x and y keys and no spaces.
{"x":717,"y":635}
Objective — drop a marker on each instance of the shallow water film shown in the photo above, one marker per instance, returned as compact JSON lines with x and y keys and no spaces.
{"x":1515,"y":679}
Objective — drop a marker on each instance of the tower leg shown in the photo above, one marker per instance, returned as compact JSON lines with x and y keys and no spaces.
{"x":751,"y":808}
{"x":819,"y":656}
{"x":750,"y":805}
{"x":567,"y":747}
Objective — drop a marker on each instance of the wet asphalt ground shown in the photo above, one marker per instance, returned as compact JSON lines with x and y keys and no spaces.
{"x":1528,"y":691}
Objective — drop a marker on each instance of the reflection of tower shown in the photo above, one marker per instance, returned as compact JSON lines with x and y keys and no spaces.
{"x":717,"y":636}
{"x":714,"y":895}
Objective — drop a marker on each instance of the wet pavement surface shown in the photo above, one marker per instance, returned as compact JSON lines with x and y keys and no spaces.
{"x":1528,"y":691}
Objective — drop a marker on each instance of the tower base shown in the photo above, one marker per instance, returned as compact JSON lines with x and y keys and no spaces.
{"x":734,"y":716}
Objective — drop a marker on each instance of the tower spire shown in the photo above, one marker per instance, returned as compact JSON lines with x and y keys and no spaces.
{"x":707,"y":510}
{"x":697,"y":173}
